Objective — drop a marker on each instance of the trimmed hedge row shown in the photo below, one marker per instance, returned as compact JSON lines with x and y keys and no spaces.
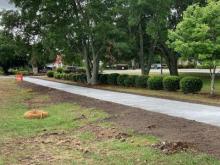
{"x":141,"y":81}
{"x":169,"y":83}
{"x":130,"y":81}
{"x":191,"y":84}
{"x":121,"y":79}
{"x":50,"y":74}
{"x":155,"y":83}
{"x":71,"y":77}
{"x":113,"y":78}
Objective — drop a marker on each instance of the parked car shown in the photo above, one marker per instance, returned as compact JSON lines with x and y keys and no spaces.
{"x":164,"y":66}
{"x":122,"y":66}
{"x":159,"y":66}
{"x":71,"y":69}
{"x":46,"y":68}
{"x":156,"y":66}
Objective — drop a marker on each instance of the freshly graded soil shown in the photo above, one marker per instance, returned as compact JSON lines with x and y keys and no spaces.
{"x":205,"y":138}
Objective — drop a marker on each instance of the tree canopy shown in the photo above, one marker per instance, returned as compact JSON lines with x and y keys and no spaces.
{"x":198,"y":35}
{"x":10,"y":53}
{"x":99,"y":30}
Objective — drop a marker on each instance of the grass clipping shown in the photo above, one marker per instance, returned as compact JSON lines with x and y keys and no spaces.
{"x":36,"y":114}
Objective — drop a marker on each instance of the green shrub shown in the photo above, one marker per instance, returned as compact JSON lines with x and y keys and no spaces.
{"x":155,"y":83}
{"x":50,"y":73}
{"x":82,"y":78}
{"x":66,"y":76}
{"x":1,"y":71}
{"x":81,"y":70}
{"x":112,"y":78}
{"x":76,"y":77}
{"x":171,"y":83}
{"x":58,"y":75}
{"x":24,"y":71}
{"x":103,"y":78}
{"x":130,"y":81}
{"x":13,"y":71}
{"x":191,"y":84}
{"x":141,"y":81}
{"x":67,"y":71}
{"x":121,"y":79}
{"x":60,"y":70}
{"x":71,"y":76}
{"x":20,"y":70}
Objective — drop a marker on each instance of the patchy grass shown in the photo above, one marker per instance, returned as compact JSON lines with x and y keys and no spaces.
{"x":61,"y":118}
{"x":73,"y":135}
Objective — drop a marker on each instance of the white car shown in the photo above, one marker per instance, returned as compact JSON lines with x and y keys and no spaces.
{"x":156,"y":66}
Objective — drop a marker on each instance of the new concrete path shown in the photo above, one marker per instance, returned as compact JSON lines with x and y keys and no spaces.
{"x":201,"y":113}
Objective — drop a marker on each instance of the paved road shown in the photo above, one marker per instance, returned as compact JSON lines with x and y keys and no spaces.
{"x":201,"y":113}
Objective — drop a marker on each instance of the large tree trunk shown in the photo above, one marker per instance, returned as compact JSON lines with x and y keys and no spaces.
{"x":35,"y":69}
{"x":95,"y":65}
{"x":212,"y":92}
{"x":171,"y":60}
{"x":150,"y":58}
{"x":172,"y":64}
{"x":141,"y":53}
{"x":213,"y":74}
{"x":92,"y":65}
{"x":95,"y":72}
{"x":87,"y":63}
{"x":133,"y":65}
{"x":149,"y":63}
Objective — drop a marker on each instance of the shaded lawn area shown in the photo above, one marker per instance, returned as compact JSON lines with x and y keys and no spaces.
{"x":73,"y":135}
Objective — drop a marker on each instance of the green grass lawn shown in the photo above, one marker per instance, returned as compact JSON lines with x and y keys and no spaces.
{"x":65,"y":137}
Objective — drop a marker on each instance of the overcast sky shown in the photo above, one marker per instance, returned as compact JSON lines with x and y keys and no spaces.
{"x":4,"y":4}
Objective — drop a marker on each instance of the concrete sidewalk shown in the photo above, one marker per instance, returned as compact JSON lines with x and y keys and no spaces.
{"x":198,"y":112}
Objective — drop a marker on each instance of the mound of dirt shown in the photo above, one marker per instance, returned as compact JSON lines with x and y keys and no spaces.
{"x":35,"y":114}
{"x":172,"y":147}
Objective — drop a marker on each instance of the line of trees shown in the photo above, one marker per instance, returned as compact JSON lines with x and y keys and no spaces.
{"x":96,"y":30}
